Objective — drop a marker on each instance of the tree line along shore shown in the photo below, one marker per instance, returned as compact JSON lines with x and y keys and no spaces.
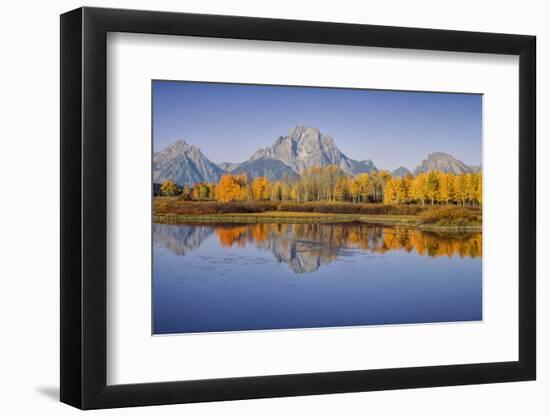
{"x":331,"y":184}
{"x":434,"y":199}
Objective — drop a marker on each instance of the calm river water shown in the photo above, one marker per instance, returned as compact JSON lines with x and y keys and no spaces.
{"x":227,"y":277}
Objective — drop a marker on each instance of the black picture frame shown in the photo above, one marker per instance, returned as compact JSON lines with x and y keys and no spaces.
{"x":84,"y":207}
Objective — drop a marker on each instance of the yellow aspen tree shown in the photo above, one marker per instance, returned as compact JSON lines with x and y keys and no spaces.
{"x":479,"y":191}
{"x":211,"y":191}
{"x":471,"y":184}
{"x":260,"y":189}
{"x":419,"y":188}
{"x":354,"y":188}
{"x":342,"y":189}
{"x":295,"y":192}
{"x":382,"y":177}
{"x":432,"y":186}
{"x":363,"y":186}
{"x":277,"y":191}
{"x":244,"y":191}
{"x":401,"y":190}
{"x":407,"y":186}
{"x":448,"y":182}
{"x":445,"y":187}
{"x":461,"y":188}
{"x":186,"y":193}
{"x":195,"y":192}
{"x":286,"y":189}
{"x":168,"y":188}
{"x":390,"y":192}
{"x":201,"y":191}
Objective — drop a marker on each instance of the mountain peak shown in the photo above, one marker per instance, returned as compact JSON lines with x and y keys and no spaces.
{"x":401,"y":172}
{"x":305,"y":147}
{"x":439,"y":155}
{"x":441,"y":161}
{"x":178,"y":146}
{"x":228,"y":166}
{"x":184,"y":164}
{"x":301,"y":130}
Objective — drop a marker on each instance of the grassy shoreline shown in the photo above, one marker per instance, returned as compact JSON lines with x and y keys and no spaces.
{"x":285,"y":217}
{"x":436,"y":218}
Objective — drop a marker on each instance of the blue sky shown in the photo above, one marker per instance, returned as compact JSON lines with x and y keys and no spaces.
{"x":229,"y":122}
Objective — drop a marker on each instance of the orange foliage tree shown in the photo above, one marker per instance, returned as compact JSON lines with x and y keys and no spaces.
{"x":261,"y":189}
{"x":231,"y":188}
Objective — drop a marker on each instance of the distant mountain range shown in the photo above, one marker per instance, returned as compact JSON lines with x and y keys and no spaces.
{"x":228,"y":166}
{"x":443,"y":162}
{"x":401,"y":172}
{"x":303,"y":148}
{"x":184,"y":164}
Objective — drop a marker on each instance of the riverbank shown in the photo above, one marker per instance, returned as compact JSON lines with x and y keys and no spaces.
{"x":301,"y":217}
{"x":445,"y":218}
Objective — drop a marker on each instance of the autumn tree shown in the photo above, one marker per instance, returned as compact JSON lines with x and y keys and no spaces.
{"x":242,"y":181}
{"x":342,"y":190}
{"x":261,"y":189}
{"x":297,"y":192}
{"x":277,"y":191}
{"x":231,"y":188}
{"x":330,"y":177}
{"x":479,"y":191}
{"x":472,"y":181}
{"x":168,"y":188}
{"x":308,"y":189}
{"x":377,"y":183}
{"x":403,"y":187}
{"x":382,"y":177}
{"x":200,"y":191}
{"x":354,"y":187}
{"x":390,"y":192}
{"x":446,"y":187}
{"x":461,"y":188}
{"x":195,"y":192}
{"x":359,"y":188}
{"x":317,"y":184}
{"x":186,"y":193}
{"x":432,"y":186}
{"x":419,"y":187}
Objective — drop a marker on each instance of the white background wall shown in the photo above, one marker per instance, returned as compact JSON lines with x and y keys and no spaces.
{"x":29,"y":213}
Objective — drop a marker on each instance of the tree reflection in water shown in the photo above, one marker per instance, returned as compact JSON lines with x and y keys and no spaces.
{"x":305,"y":247}
{"x":374,"y":238}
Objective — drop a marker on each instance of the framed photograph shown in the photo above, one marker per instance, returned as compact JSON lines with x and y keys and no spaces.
{"x":258,"y":208}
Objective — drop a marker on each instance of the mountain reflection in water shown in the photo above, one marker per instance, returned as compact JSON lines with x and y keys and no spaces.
{"x":305,"y":247}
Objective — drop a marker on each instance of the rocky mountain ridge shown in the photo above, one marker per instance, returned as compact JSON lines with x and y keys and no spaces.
{"x":443,"y":162}
{"x":305,"y":147}
{"x":184,"y":164}
{"x":288,"y":157}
